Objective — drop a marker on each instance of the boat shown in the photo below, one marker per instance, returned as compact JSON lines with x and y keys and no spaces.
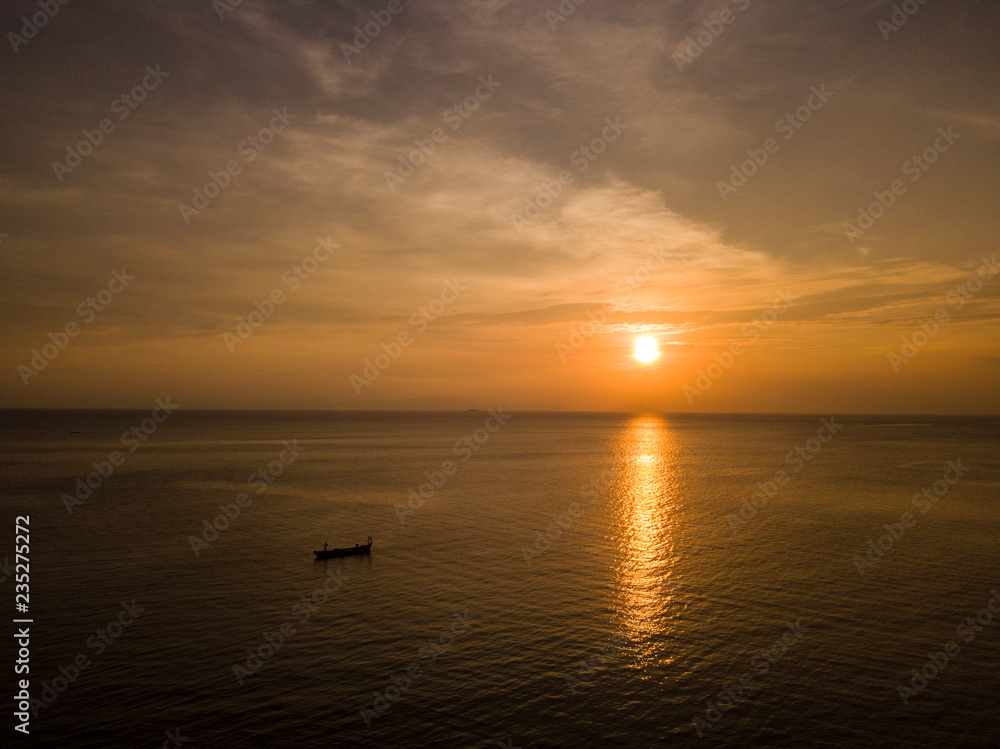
{"x":346,"y":552}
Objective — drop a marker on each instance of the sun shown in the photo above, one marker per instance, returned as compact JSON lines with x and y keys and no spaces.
{"x":647,"y":349}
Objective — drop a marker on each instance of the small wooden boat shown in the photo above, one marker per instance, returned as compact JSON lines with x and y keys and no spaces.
{"x":346,"y":552}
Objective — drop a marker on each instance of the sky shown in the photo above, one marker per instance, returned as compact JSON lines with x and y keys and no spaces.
{"x":473,"y":203}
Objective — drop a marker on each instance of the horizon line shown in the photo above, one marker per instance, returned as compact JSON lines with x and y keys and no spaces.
{"x":516,"y":410}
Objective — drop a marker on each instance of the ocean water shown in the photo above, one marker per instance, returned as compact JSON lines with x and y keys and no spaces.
{"x":582,"y":580}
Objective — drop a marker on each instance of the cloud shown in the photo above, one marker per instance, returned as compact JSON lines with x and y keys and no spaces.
{"x":651,"y":193}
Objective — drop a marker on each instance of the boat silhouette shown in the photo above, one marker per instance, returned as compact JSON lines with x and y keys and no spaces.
{"x":345,"y":552}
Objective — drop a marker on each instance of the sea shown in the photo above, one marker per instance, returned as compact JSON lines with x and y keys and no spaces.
{"x":535,"y":579}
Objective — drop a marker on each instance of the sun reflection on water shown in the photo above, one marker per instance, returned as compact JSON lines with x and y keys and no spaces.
{"x":645,"y":500}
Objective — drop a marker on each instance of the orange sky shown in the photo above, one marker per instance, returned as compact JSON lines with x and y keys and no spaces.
{"x":508,"y":198}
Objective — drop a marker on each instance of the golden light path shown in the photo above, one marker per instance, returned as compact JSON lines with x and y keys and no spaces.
{"x":645,"y":498}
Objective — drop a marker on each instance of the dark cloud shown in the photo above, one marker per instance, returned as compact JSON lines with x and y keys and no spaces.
{"x":325,"y":174}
